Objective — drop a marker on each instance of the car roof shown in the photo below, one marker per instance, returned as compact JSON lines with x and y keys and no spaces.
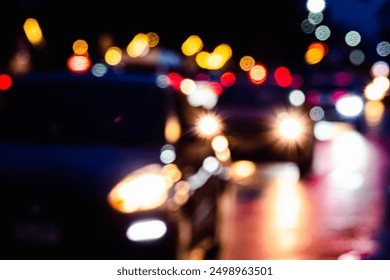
{"x":72,"y":107}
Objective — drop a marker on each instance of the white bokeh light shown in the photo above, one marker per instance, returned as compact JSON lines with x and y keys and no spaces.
{"x":353,"y":38}
{"x":315,"y":6}
{"x":349,"y":152}
{"x":315,"y":18}
{"x":146,"y":230}
{"x":383,"y":48}
{"x":296,"y":97}
{"x":380,"y":68}
{"x":350,"y":106}
{"x":322,"y":32}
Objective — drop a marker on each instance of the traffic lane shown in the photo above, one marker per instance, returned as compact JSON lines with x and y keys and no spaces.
{"x":334,"y":214}
{"x":266,"y":220}
{"x":348,"y":188}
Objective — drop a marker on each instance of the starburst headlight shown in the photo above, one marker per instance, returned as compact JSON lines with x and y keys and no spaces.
{"x":292,"y":127}
{"x":144,"y":189}
{"x":208,"y":125}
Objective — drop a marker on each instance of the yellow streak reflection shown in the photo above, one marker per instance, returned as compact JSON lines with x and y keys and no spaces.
{"x":288,"y":220}
{"x":172,"y":129}
{"x":274,"y":224}
{"x":373,"y":113}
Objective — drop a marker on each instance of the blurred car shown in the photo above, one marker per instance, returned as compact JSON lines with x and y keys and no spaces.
{"x":338,"y":97}
{"x":248,"y":122}
{"x":233,"y":131}
{"x":127,"y":166}
{"x":88,"y":171}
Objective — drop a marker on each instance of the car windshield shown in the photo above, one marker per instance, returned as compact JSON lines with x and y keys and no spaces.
{"x":244,"y":94}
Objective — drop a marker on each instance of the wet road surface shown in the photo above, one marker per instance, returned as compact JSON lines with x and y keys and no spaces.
{"x":336,"y":213}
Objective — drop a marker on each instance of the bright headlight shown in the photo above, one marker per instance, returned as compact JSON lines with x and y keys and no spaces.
{"x":290,"y":127}
{"x":208,"y":125}
{"x":144,"y":189}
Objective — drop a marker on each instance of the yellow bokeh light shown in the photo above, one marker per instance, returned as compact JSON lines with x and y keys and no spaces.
{"x":314,"y":56}
{"x":113,"y":56}
{"x":242,"y":169}
{"x":172,"y":171}
{"x":247,"y":62}
{"x":224,"y":50}
{"x":153,"y":39}
{"x":223,"y":156}
{"x":80,"y":47}
{"x":33,"y":31}
{"x":215,"y":61}
{"x":192,"y":45}
{"x":374,"y":91}
{"x":139,"y":46}
{"x":210,"y":61}
{"x":201,"y":59}
{"x":373,"y":112}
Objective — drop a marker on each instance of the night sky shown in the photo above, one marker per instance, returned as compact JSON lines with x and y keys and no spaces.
{"x":261,"y":31}
{"x":269,"y":31}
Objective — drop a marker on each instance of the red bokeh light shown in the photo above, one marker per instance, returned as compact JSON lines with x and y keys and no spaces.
{"x":216,"y":87}
{"x":283,"y":76}
{"x":5,"y":82}
{"x":228,"y":79}
{"x":79,"y":63}
{"x":174,"y":80}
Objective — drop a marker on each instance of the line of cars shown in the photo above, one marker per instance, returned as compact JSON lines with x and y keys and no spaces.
{"x":133,"y":165}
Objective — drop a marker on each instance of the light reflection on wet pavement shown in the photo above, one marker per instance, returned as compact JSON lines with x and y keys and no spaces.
{"x":334,"y":214}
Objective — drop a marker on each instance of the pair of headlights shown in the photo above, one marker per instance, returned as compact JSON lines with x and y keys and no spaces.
{"x":148,"y":187}
{"x":287,"y":125}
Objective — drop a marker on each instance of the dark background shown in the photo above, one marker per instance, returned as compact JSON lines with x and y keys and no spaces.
{"x":268,"y":30}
